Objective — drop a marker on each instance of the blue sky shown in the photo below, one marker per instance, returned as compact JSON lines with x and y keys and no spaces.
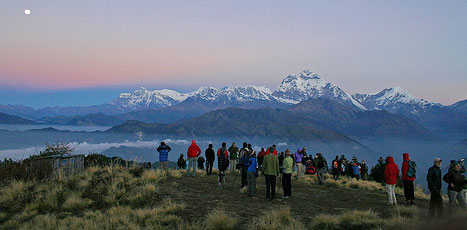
{"x":87,"y":52}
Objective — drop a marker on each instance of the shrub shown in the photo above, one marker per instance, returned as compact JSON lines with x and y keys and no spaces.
{"x":219,"y":220}
{"x":276,"y":220}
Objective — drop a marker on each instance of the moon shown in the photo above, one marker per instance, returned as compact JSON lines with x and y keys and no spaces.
{"x":27,"y":11}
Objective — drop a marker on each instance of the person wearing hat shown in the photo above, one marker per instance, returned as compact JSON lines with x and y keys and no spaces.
{"x":434,"y":185}
{"x":164,"y":150}
{"x":287,"y":175}
{"x":251,"y":175}
{"x":270,"y":171}
{"x":456,"y":182}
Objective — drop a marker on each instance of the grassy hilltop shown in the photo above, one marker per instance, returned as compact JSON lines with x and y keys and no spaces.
{"x":119,"y":198}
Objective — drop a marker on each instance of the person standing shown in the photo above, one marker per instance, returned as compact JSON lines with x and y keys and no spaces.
{"x":408,"y":177}
{"x":260,"y":157}
{"x":299,"y":163}
{"x":335,"y":168}
{"x":252,"y":174}
{"x":272,"y":149}
{"x":355,"y":171}
{"x":287,"y":175}
{"x":322,"y":166}
{"x":364,"y":169}
{"x":233,"y":150}
{"x":456,"y":182}
{"x":270,"y":171}
{"x":434,"y":185}
{"x":222,"y":163}
{"x":164,"y":150}
{"x":391,"y":171}
{"x":210,"y":157}
{"x":193,"y":153}
{"x":244,"y":163}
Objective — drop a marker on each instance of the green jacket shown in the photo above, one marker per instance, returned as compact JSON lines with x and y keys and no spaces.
{"x":288,"y":165}
{"x":271,"y":165}
{"x":233,"y":153}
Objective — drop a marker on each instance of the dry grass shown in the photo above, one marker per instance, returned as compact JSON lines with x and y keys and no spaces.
{"x":355,"y":219}
{"x":219,"y":220}
{"x":277,"y":220}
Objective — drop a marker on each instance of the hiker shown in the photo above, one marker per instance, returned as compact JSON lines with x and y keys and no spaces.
{"x":272,"y":149}
{"x":210,"y":157}
{"x":408,"y":177}
{"x":260,"y":157}
{"x":244,"y":163}
{"x":377,"y":172}
{"x":298,"y":162}
{"x":270,"y":171}
{"x":252,"y":174}
{"x":201,"y":162}
{"x":321,"y":166}
{"x":287,"y":175}
{"x":309,"y":168}
{"x":222,"y":163}
{"x":456,"y":182}
{"x":193,"y":153}
{"x":181,"y":162}
{"x":281,"y":159}
{"x":391,"y":171}
{"x":364,"y":170}
{"x":233,"y":150}
{"x":335,"y":168}
{"x":355,"y":171}
{"x":164,"y":150}
{"x":434,"y":185}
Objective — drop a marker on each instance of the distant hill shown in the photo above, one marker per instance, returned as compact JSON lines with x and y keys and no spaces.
{"x":10,"y":119}
{"x":345,"y":119}
{"x":97,"y":119}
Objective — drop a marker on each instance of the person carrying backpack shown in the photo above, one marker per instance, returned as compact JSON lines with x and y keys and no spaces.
{"x":408,"y":176}
{"x":322,"y":166}
{"x":244,"y":164}
{"x":222,"y":163}
{"x":456,"y":182}
{"x":252,"y":174}
{"x":193,"y":153}
{"x":164,"y":150}
{"x":355,"y":171}
{"x":233,"y":150}
{"x":391,"y":171}
{"x":210,"y":157}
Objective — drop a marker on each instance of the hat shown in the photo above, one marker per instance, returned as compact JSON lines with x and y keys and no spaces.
{"x":437,"y":159}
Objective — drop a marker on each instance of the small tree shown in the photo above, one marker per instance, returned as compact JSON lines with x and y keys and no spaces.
{"x":55,"y":149}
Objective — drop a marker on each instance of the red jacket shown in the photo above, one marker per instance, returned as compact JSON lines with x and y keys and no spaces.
{"x":405,"y":167}
{"x":193,"y":150}
{"x":267,"y":152}
{"x":391,"y":171}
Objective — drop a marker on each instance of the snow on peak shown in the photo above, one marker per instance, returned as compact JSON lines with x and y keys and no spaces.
{"x":143,"y":98}
{"x":389,"y":98}
{"x":234,"y":93}
{"x":307,"y":84}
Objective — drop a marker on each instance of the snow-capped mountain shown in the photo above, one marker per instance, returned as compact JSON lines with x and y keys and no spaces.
{"x":234,"y":94}
{"x":143,"y":98}
{"x":296,"y":88}
{"x":393,"y":100}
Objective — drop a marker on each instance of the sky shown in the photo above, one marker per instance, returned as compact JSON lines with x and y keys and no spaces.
{"x":87,"y":52}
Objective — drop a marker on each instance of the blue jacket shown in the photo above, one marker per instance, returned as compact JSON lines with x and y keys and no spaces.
{"x":163,"y":153}
{"x":355,"y":170}
{"x":245,"y":160}
{"x":253,"y":165}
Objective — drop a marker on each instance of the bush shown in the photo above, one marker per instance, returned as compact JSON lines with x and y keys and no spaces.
{"x":275,"y":220}
{"x":219,"y":220}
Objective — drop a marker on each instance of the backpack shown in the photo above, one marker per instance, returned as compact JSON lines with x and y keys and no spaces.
{"x":412,"y":170}
{"x":335,"y":165}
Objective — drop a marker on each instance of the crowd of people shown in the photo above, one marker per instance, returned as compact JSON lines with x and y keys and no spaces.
{"x":271,"y":164}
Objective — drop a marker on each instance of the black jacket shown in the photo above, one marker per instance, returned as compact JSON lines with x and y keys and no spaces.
{"x":210,"y":155}
{"x":434,"y":178}
{"x":456,"y":178}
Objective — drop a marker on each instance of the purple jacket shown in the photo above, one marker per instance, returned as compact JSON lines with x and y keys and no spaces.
{"x":298,"y":156}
